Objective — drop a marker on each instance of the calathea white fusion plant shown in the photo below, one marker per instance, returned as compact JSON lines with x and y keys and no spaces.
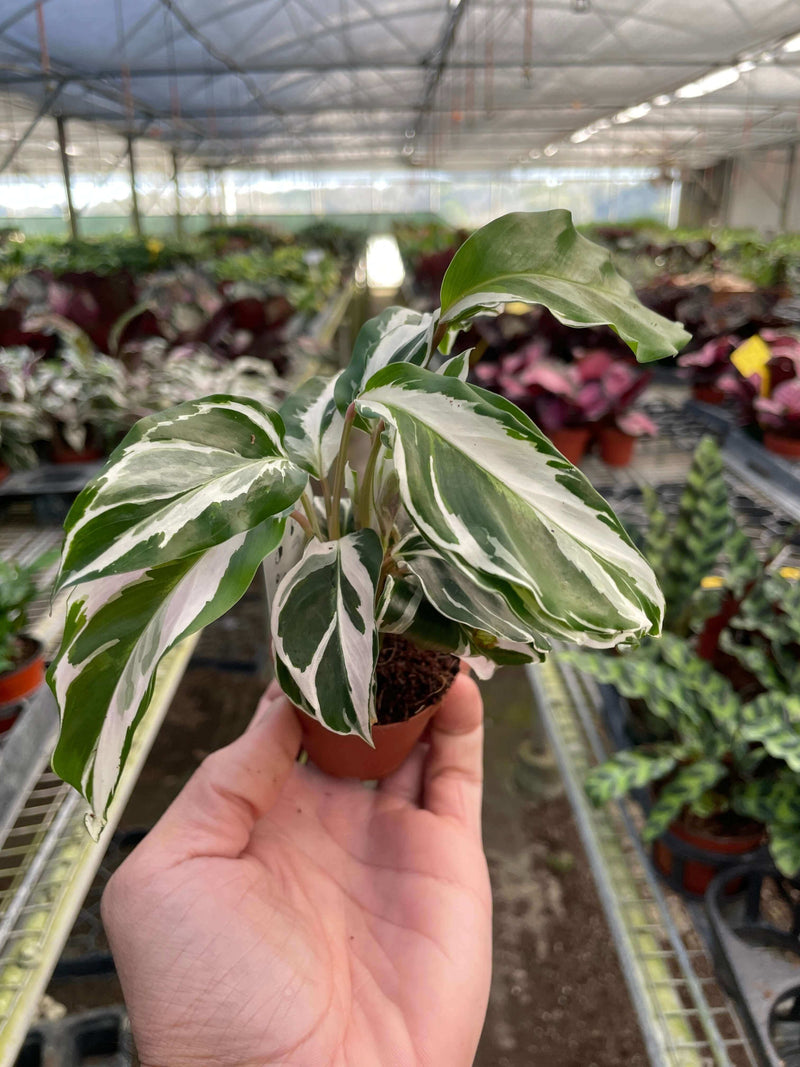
{"x":464,"y":530}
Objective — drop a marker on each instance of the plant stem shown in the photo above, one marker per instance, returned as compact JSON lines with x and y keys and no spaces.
{"x":365,"y":495}
{"x":313,"y":521}
{"x":326,"y":494}
{"x":302,"y":521}
{"x":338,"y":478}
{"x":438,"y":336}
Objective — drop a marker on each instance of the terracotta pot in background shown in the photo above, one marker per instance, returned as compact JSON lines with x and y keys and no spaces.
{"x":781,"y":445}
{"x":616,"y":447}
{"x":571,"y":442}
{"x":347,"y":756}
{"x":63,"y":454}
{"x":693,"y":875}
{"x":4,"y":471}
{"x":22,"y":682}
{"x":708,"y":394}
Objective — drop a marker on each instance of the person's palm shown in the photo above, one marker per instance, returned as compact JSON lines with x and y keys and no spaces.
{"x":345,"y":926}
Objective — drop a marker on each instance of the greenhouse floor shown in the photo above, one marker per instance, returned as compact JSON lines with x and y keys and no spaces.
{"x":558,"y":996}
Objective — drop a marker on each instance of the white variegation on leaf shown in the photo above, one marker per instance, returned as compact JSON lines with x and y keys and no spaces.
{"x":457,"y":366}
{"x":488,"y":490}
{"x":287,"y":555}
{"x":181,"y":482}
{"x":540,"y":258}
{"x":397,"y":335}
{"x":313,"y":425}
{"x":118,"y":629}
{"x":325,"y":639}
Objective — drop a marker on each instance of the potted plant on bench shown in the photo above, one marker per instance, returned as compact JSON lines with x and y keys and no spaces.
{"x":460,"y":531}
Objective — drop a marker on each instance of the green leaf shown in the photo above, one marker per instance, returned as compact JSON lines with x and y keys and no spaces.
{"x":627,"y":770}
{"x":540,"y":258}
{"x":313,"y":425}
{"x":686,"y":787}
{"x":457,"y":367}
{"x":397,"y":335}
{"x":118,"y":629}
{"x":784,"y":847}
{"x":700,"y":531}
{"x":460,"y":595}
{"x":484,"y":486}
{"x":181,"y":482}
{"x":768,"y":720}
{"x":324,"y":633}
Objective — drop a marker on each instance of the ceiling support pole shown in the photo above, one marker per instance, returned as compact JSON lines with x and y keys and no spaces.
{"x":62,"y":147}
{"x":176,"y":183}
{"x":136,"y":218}
{"x":786,"y":198}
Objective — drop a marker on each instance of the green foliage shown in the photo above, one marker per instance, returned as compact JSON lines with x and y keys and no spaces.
{"x":17,"y":590}
{"x":698,"y":535}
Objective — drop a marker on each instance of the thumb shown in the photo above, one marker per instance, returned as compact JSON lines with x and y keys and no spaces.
{"x":215,"y":812}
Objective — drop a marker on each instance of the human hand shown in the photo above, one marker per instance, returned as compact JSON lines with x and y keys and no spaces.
{"x":275,"y":915}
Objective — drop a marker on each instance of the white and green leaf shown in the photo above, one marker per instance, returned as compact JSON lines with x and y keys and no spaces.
{"x":181,"y":482}
{"x":486,"y":488}
{"x":117,"y":631}
{"x":325,"y":639}
{"x":286,"y":555}
{"x":460,"y":595}
{"x":397,"y":335}
{"x":540,"y":258}
{"x":313,"y":425}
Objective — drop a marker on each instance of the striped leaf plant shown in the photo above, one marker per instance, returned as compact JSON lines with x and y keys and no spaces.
{"x":460,"y":526}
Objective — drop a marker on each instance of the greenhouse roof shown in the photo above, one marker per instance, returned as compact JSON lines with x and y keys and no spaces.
{"x":432,"y":83}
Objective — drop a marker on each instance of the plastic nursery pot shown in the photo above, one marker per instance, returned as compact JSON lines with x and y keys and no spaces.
{"x":347,"y":756}
{"x":708,"y":394}
{"x":616,"y":447}
{"x":571,"y":442}
{"x":24,"y":680}
{"x":690,"y":858}
{"x":781,"y":445}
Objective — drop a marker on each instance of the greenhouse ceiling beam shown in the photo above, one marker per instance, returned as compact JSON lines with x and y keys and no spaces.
{"x":136,"y":218}
{"x":373,"y":64}
{"x":44,"y":108}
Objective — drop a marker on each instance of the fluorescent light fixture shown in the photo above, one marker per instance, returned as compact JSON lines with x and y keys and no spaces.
{"x":534,"y":153}
{"x":550,"y":150}
{"x":746,"y":65}
{"x":662,"y":100}
{"x":792,"y":44}
{"x":709,"y":83}
{"x":581,"y":135}
{"x":455,"y":3}
{"x":602,"y":124}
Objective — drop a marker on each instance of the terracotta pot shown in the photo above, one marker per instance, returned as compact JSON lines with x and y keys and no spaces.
{"x":347,"y":756}
{"x":616,"y":447}
{"x":708,"y":394}
{"x":62,"y":454}
{"x":782,"y":445}
{"x":693,"y":874}
{"x":22,"y":682}
{"x":4,"y":471}
{"x":571,"y":442}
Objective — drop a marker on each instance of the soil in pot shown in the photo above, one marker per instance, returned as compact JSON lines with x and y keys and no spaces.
{"x":410,"y":684}
{"x":721,"y":839}
{"x":781,"y":445}
{"x":22,"y":680}
{"x":571,"y":442}
{"x":616,"y":447}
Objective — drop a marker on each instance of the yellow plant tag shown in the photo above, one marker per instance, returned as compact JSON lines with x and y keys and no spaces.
{"x":792,"y":573}
{"x":752,"y":357}
{"x":712,"y":581}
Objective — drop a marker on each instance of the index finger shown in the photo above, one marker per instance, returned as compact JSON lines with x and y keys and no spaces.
{"x":453,"y":784}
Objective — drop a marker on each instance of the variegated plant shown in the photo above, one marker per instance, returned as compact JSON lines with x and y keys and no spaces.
{"x":461,"y":526}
